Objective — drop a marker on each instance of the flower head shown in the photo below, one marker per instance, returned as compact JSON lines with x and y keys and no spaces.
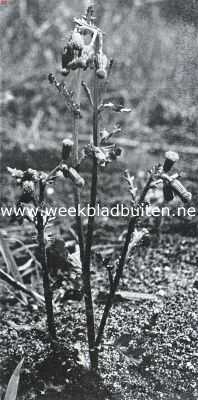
{"x":170,"y":158}
{"x":67,"y":146}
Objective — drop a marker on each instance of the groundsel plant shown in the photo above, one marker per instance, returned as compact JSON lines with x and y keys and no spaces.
{"x":33,"y":186}
{"x":84,"y":51}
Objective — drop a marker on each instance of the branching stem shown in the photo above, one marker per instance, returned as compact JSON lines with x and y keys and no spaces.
{"x":46,"y":281}
{"x":119,"y":272}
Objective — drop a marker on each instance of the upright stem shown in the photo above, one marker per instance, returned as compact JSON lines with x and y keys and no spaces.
{"x":89,"y":240}
{"x":116,"y":282}
{"x":46,"y":282}
{"x":131,"y":227}
{"x":76,"y":119}
{"x":75,"y":163}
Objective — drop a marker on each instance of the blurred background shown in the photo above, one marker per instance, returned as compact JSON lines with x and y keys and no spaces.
{"x":155,"y":47}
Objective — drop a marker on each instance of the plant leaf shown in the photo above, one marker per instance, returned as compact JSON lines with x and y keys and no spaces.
{"x":12,"y":388}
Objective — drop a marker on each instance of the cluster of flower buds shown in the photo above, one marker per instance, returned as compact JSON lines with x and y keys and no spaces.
{"x":72,"y":106}
{"x":104,"y":154}
{"x":171,"y":184}
{"x":19,"y":175}
{"x":27,"y":180}
{"x":78,"y":54}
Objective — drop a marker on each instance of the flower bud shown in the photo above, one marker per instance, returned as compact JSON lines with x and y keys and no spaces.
{"x":28,"y":191}
{"x":67,"y":146}
{"x":51,"y":78}
{"x":180,"y":191}
{"x":71,"y":173}
{"x":170,"y":158}
{"x":102,"y":63}
{"x":65,"y":71}
{"x":67,"y":57}
{"x":76,"y":178}
{"x":167,"y":191}
{"x":28,"y":186}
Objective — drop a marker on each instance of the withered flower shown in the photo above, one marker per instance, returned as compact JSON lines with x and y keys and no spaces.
{"x":170,"y":158}
{"x":67,"y":146}
{"x":101,"y":65}
{"x":172,"y":186}
{"x":71,"y":173}
{"x":103,"y":154}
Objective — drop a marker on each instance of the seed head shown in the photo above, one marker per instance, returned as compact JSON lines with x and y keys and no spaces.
{"x":170,"y":158}
{"x":67,"y":146}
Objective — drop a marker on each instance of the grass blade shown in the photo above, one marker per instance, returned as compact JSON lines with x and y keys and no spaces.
{"x":20,"y":286}
{"x":10,"y":263}
{"x":11,"y":392}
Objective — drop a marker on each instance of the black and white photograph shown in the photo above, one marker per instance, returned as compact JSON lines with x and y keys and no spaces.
{"x":99,"y":200}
